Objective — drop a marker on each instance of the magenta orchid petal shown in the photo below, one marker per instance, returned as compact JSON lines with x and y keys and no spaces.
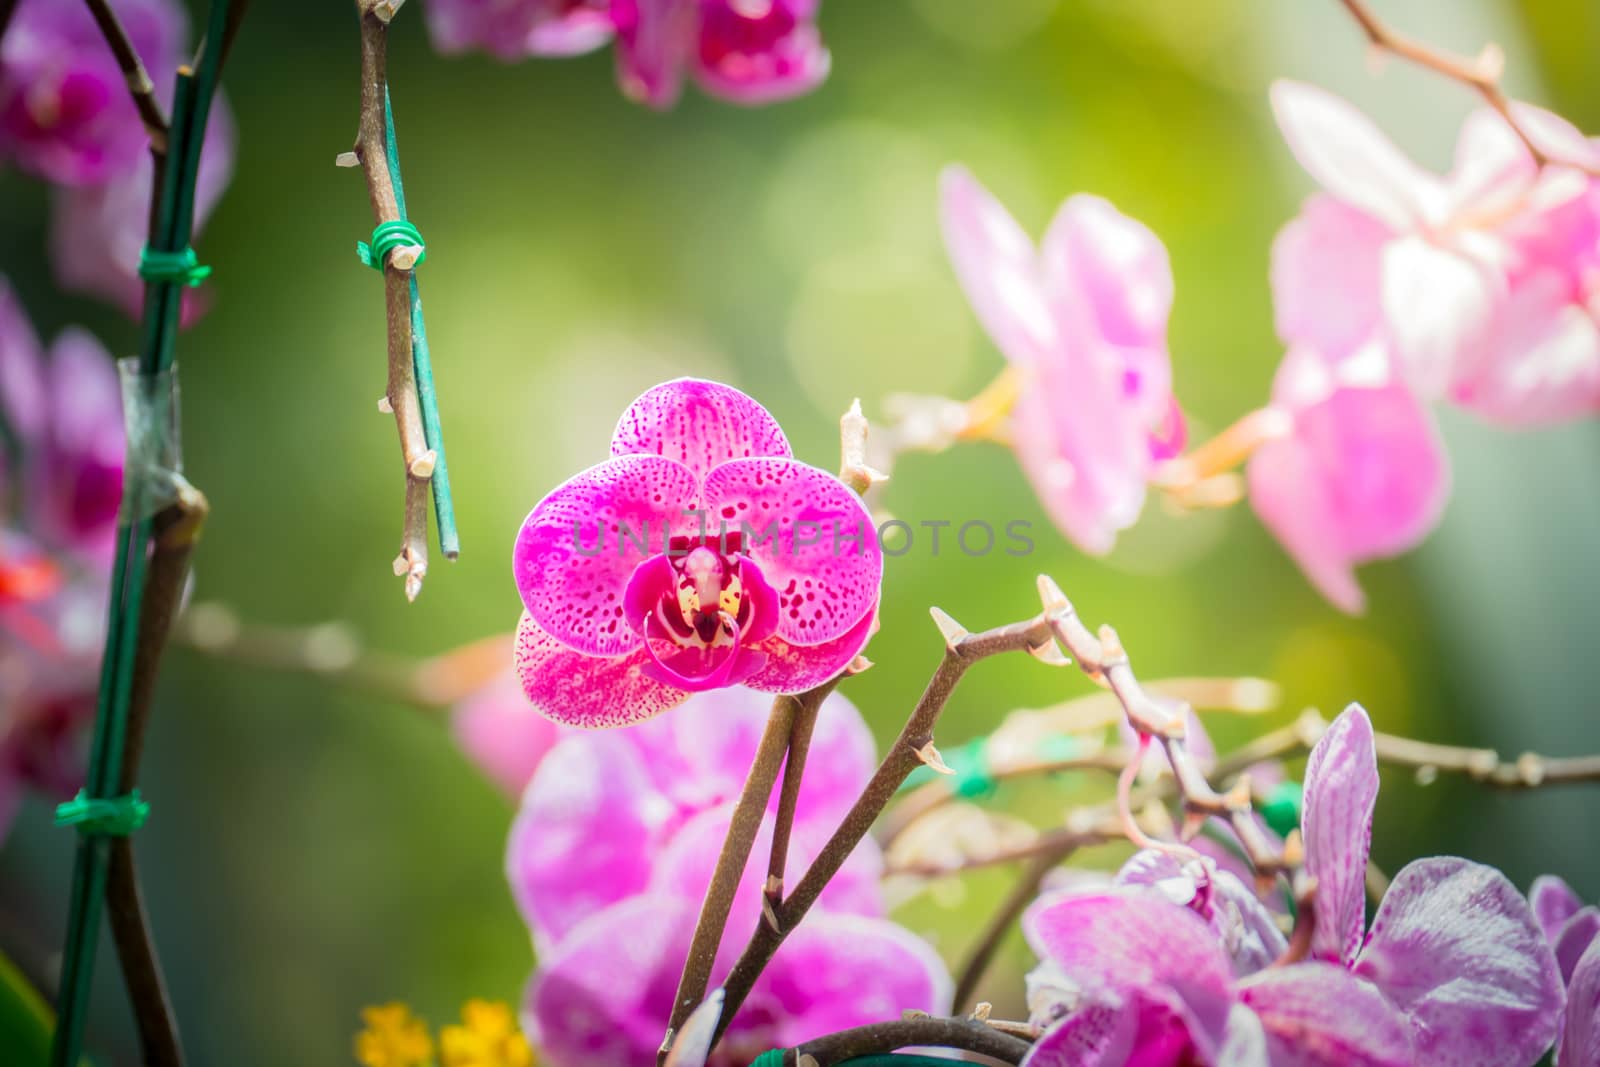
{"x":1318,"y":1015}
{"x":1351,"y":158}
{"x":588,"y":691}
{"x":696,"y":669}
{"x":699,"y":424}
{"x":1326,"y":277}
{"x":654,"y":39}
{"x":575,"y":846}
{"x":1341,"y":791}
{"x":847,"y":971}
{"x":1361,"y":475}
{"x":1138,"y":940}
{"x":575,"y":28}
{"x":512,"y":29}
{"x":796,"y":668}
{"x":1553,"y":902}
{"x":574,"y":555}
{"x":1456,"y":948}
{"x":758,"y":54}
{"x":1095,"y":1035}
{"x":998,"y":268}
{"x":503,"y":734}
{"x":1576,"y":935}
{"x":810,"y":536}
{"x":1580,"y":1037}
{"x":23,"y":391}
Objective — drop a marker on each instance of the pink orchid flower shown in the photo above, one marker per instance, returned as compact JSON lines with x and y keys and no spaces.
{"x":594,"y":829}
{"x":513,"y":29}
{"x":1359,"y":472}
{"x":65,"y":113}
{"x":1454,"y":969}
{"x":500,"y":732}
{"x":617,"y":837}
{"x":1572,"y":929}
{"x":98,"y":231}
{"x":1083,"y":319}
{"x":1481,"y":282}
{"x":701,"y":555}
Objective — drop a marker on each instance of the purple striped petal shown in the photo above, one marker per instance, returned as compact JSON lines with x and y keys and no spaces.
{"x":1318,"y":1015}
{"x":588,"y":691}
{"x":1553,"y":903}
{"x":698,"y":423}
{"x":1341,"y":788}
{"x":1096,"y":1035}
{"x":1576,"y":935}
{"x":1580,"y":1040}
{"x":577,"y":550}
{"x":580,"y":841}
{"x":1456,"y":948}
{"x":796,"y":668}
{"x":812,"y":538}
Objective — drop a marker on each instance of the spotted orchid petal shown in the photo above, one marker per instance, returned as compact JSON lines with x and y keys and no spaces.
{"x":1318,"y":1015}
{"x":1580,"y":1038}
{"x":1137,"y":940}
{"x":812,"y":539}
{"x":575,"y":846}
{"x":575,"y":555}
{"x":1341,"y":791}
{"x":1351,"y":158}
{"x":699,"y":424}
{"x":1457,"y":949}
{"x":796,"y":668}
{"x":588,"y":691}
{"x":998,"y":268}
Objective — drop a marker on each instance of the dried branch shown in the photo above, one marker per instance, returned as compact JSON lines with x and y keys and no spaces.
{"x":175,"y":532}
{"x":1481,"y":74}
{"x":140,"y":86}
{"x":401,"y":396}
{"x":912,"y":749}
{"x":968,"y":1035}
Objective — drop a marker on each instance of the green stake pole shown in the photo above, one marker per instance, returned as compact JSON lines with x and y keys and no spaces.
{"x":171,"y":228}
{"x":432,"y":431}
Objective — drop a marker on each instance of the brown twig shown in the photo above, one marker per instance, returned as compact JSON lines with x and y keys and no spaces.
{"x":912,"y":749}
{"x":800,"y":730}
{"x":1481,"y":74}
{"x":334,"y":651}
{"x":401,"y":395}
{"x":140,"y":87}
{"x":175,"y":531}
{"x":969,"y":1035}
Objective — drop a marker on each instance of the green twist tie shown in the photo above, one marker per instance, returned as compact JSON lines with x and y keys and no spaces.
{"x":1281,"y":809}
{"x":104,"y":816}
{"x":386,"y":238}
{"x":179,"y":267}
{"x":972,"y":777}
{"x":773,"y":1057}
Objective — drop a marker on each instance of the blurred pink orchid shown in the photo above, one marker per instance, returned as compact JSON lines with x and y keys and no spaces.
{"x":1572,"y":930}
{"x":1082,"y":319}
{"x":501,"y":732}
{"x":65,"y":113}
{"x":614,"y":845}
{"x":98,"y":231}
{"x":1482,"y":283}
{"x":1355,"y":470}
{"x":633,"y":600}
{"x":1453,"y":970}
{"x":746,"y":51}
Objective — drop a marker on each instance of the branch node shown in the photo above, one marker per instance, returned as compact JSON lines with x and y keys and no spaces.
{"x":384,"y":406}
{"x":347,"y":159}
{"x":952,"y":632}
{"x":422,"y":466}
{"x":929,"y":755}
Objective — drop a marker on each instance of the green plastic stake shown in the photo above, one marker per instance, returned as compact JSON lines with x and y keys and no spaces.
{"x":171,"y":228}
{"x":444,"y":511}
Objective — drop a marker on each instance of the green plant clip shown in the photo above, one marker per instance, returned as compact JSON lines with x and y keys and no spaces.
{"x":180,"y":267}
{"x":104,"y":816}
{"x":386,"y":238}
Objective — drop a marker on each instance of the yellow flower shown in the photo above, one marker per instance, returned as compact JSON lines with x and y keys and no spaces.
{"x":393,"y":1038}
{"x":488,"y":1038}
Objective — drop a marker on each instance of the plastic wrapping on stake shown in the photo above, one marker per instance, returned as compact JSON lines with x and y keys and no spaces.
{"x":153,"y":471}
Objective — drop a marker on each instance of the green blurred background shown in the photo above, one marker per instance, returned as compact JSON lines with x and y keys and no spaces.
{"x":315,"y":849}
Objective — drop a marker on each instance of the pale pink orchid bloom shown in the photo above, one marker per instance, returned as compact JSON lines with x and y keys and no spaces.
{"x":1358,"y":471}
{"x":1082,"y":318}
{"x":617,"y":837}
{"x":513,"y":29}
{"x":1481,"y":282}
{"x":701,"y":555}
